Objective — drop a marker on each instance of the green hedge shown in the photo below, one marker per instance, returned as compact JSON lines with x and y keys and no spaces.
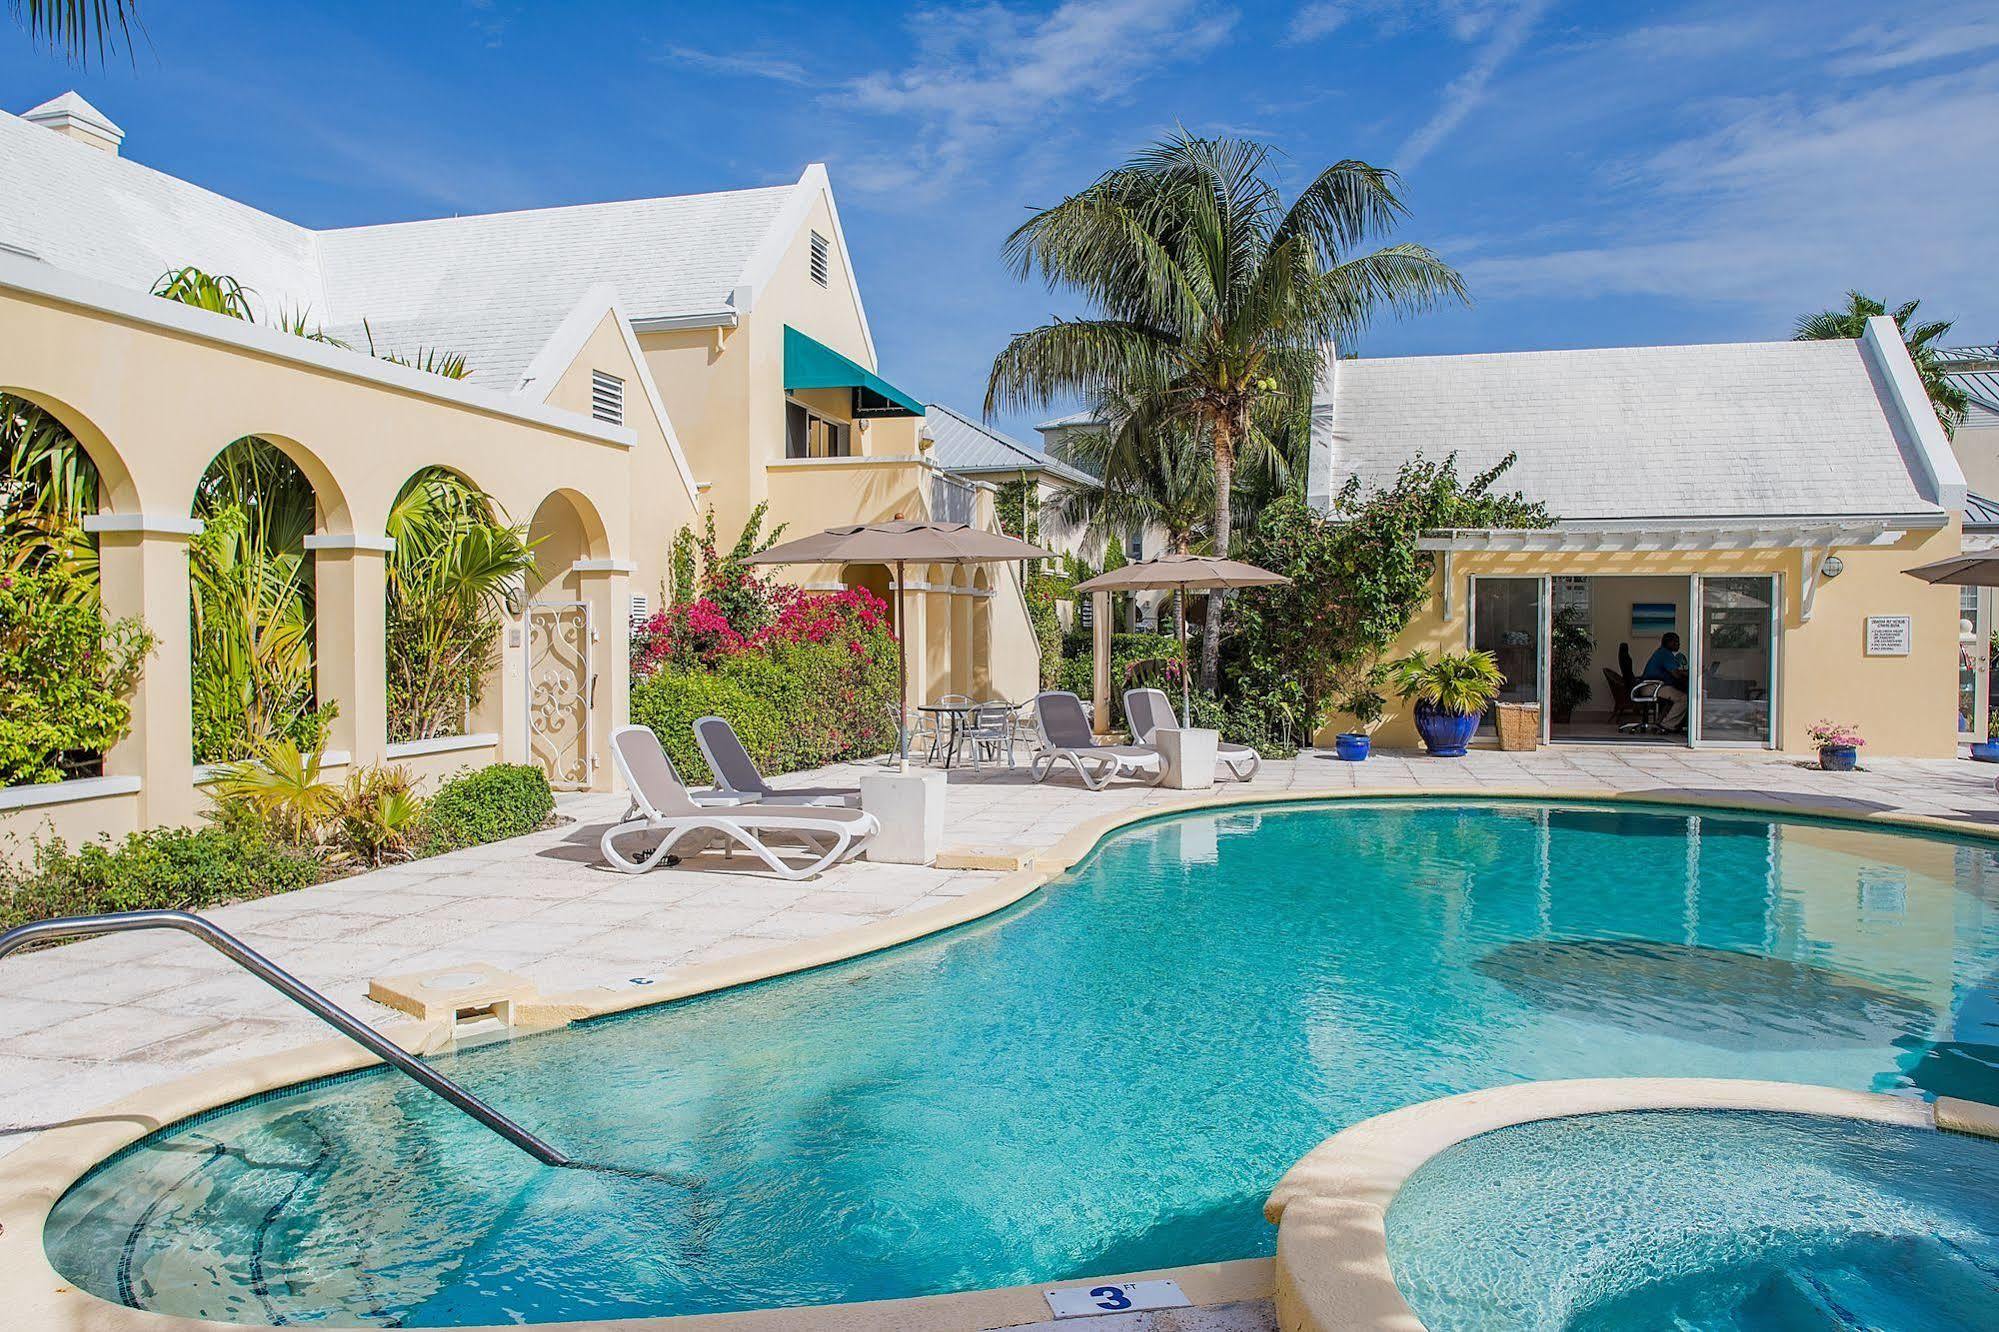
{"x":179,"y":869}
{"x":487,"y":805}
{"x":795,"y":705}
{"x":1126,"y":650}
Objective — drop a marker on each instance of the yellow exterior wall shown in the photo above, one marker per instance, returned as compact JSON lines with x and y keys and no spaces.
{"x":1902,"y":705}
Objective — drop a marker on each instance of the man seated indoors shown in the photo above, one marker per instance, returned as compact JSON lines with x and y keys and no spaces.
{"x":1668,"y":665}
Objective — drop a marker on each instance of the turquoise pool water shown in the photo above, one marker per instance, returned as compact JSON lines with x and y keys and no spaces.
{"x":1108,"y":1077}
{"x":1708,"y":1221}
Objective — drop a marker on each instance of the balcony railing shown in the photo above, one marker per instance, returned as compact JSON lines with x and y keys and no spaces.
{"x":952,"y":500}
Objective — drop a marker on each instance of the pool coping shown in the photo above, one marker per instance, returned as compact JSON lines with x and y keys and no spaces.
{"x":36,"y":1176}
{"x":1332,"y":1269}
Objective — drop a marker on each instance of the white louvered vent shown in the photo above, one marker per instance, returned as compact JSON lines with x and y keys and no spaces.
{"x":607,"y":397}
{"x":641,"y":610}
{"x":821,"y":259}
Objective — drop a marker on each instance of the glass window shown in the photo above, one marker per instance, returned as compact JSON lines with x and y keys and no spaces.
{"x":810,"y":435}
{"x":1737,"y":658}
{"x":1506,"y":621}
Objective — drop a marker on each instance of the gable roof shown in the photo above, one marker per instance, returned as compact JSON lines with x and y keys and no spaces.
{"x":1975,"y":370}
{"x":1731,"y":430}
{"x":493,"y":287}
{"x":961,"y":444}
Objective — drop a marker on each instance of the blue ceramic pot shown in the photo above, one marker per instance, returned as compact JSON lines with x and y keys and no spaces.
{"x":1838,"y":758}
{"x":1351,"y":746}
{"x":1445,"y":734}
{"x":1985,"y":751}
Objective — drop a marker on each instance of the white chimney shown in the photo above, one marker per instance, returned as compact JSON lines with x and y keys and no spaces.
{"x":73,"y":118}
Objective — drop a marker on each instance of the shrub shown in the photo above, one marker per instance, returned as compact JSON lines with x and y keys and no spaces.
{"x":486,"y":805}
{"x":179,"y":869}
{"x":66,"y":677}
{"x":377,"y":817}
{"x":1132,"y":658}
{"x":795,"y":704}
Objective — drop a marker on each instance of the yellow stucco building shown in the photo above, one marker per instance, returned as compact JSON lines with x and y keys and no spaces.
{"x":633,"y":364}
{"x":1758,"y":502}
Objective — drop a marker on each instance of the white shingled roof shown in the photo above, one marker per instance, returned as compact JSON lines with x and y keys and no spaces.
{"x":492,"y":287}
{"x":1731,"y":430}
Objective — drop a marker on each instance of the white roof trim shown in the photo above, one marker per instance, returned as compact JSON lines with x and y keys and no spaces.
{"x":1691,"y":535}
{"x":44,"y":280}
{"x":566,"y":344}
{"x":1938,"y":466}
{"x":675,"y":323}
{"x":764,"y":260}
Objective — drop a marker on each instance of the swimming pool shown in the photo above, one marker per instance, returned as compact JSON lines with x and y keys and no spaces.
{"x":1718,"y":1220}
{"x":1108,"y":1077}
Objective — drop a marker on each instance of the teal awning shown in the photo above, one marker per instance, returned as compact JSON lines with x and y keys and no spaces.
{"x":811,"y":364}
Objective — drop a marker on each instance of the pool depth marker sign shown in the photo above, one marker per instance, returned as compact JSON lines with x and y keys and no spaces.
{"x":1111,"y":1297}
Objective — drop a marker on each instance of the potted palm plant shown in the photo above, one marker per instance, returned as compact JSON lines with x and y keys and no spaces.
{"x":1451,"y":692}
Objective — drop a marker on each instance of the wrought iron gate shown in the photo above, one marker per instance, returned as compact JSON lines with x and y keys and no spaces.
{"x":561,"y":691}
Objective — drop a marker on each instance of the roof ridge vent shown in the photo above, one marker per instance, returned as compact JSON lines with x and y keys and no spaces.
{"x":74,"y":118}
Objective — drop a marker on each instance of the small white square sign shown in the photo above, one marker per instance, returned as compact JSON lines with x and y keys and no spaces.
{"x":1890,"y":635}
{"x":1116,"y":1297}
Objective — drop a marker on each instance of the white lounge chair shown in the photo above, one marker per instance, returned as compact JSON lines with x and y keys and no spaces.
{"x":736,"y":772}
{"x":1062,"y":731}
{"x":1149,"y":709}
{"x":661,"y":804}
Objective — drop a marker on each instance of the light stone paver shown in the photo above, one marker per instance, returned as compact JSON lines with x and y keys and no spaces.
{"x":89,"y":1022}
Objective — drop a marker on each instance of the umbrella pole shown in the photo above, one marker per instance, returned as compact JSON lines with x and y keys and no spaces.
{"x":901,"y":673}
{"x":1180,"y":615}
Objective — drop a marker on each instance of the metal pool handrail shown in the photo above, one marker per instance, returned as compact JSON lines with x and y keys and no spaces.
{"x":296,"y":990}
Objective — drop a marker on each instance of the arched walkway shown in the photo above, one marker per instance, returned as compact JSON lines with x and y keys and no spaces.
{"x":576,"y":630}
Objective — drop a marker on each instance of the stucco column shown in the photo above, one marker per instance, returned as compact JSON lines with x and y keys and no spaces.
{"x":915,"y":633}
{"x":605,"y":584}
{"x":142,"y":571}
{"x":1100,"y":659}
{"x":963,"y":678}
{"x":350,"y":574}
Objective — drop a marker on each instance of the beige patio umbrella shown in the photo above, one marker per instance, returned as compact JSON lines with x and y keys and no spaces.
{"x":1182,"y":574}
{"x":1974,"y":569}
{"x":896,"y":543}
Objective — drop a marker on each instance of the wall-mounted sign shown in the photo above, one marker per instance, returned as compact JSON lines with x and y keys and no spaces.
{"x":1890,"y":635}
{"x":1116,"y":1297}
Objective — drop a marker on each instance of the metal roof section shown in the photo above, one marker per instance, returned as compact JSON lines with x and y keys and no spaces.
{"x":962,"y":445}
{"x":1975,"y":370}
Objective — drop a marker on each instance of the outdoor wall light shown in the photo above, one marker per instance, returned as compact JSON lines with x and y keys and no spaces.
{"x":1832,"y":566}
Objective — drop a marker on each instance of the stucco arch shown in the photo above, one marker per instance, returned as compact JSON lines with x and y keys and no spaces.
{"x":116,"y":490}
{"x":565,"y":528}
{"x":332,"y":515}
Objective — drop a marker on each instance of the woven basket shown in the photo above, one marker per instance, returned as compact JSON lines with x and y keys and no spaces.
{"x":1519,"y":726}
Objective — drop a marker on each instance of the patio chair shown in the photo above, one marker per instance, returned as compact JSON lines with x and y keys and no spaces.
{"x":1063,"y":732}
{"x":989,"y":730}
{"x":661,"y":804}
{"x":1149,"y":709}
{"x":736,"y":772}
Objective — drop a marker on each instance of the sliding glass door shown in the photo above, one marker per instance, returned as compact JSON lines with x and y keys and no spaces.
{"x":1735,"y":662}
{"x":1509,"y":620}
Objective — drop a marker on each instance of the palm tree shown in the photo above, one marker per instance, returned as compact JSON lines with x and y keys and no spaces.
{"x":1211,"y":298}
{"x":73,"y":27}
{"x":1171,"y":486}
{"x":1921,"y":340}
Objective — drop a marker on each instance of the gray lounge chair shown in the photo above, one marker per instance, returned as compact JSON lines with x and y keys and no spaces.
{"x":661,"y":804}
{"x":1149,"y":709}
{"x":736,"y":772}
{"x":1063,"y":732}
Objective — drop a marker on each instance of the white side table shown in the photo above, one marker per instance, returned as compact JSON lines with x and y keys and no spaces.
{"x":910,"y":808}
{"x":1189,"y":755}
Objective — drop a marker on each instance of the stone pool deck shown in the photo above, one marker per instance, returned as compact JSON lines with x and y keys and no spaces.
{"x":87,"y":1023}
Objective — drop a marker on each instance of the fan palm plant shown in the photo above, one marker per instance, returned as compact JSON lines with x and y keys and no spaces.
{"x":1920,"y":338}
{"x":1211,"y":298}
{"x":75,"y":27}
{"x":1457,"y":683}
{"x":450,"y":574}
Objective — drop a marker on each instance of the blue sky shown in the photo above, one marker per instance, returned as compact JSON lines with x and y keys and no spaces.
{"x":1602,"y":173}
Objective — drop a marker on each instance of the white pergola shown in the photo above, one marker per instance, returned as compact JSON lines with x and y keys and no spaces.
{"x":1812,"y":538}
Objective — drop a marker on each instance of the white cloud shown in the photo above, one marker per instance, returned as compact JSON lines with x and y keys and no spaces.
{"x":986,"y":75}
{"x":745,"y":65}
{"x":1467,"y":90}
{"x":1320,"y":19}
{"x":1781,"y":202}
{"x":1878,"y":48}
